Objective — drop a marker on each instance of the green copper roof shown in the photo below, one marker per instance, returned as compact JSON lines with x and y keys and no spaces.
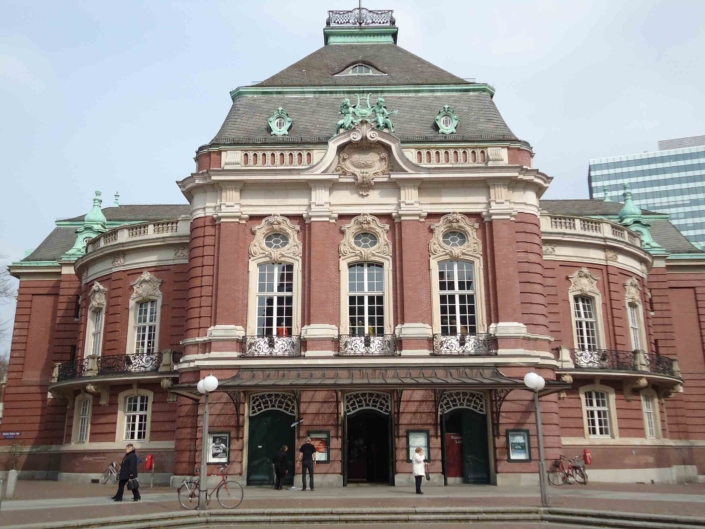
{"x":630,"y":210}
{"x":95,"y":215}
{"x":360,"y":35}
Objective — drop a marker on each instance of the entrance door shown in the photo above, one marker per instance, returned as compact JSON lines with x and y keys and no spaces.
{"x":466,"y":446}
{"x":368,"y":447}
{"x":268,"y":431}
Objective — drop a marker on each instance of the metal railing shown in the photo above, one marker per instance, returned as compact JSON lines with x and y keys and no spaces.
{"x":463,"y":344}
{"x":659,"y":364}
{"x":138,"y":363}
{"x":367,"y":345}
{"x":257,"y":346}
{"x":605,"y":359}
{"x":361,"y":17}
{"x":72,"y":369}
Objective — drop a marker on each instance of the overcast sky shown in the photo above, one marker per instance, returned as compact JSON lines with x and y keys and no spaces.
{"x":116,"y":96}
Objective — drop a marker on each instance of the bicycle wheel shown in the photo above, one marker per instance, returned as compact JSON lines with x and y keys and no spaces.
{"x":580,"y":476}
{"x":105,"y":477}
{"x":230,"y":494}
{"x":188,"y":494}
{"x":557,"y":477}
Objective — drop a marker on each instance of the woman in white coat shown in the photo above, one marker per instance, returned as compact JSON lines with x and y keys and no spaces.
{"x":419,"y":468}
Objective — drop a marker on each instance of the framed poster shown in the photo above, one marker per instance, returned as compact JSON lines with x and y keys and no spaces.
{"x":219,"y":448}
{"x":415,"y":439}
{"x":321,"y":440}
{"x":518,"y":446}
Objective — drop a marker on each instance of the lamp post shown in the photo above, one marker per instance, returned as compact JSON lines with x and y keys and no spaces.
{"x":205,"y":386}
{"x":536,"y":382}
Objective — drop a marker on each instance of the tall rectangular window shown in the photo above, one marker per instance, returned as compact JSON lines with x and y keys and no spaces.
{"x":136,"y":409}
{"x":366,"y":299}
{"x":97,"y":334}
{"x":585,"y":323}
{"x":84,"y":420}
{"x":649,"y":415}
{"x":456,"y":286}
{"x":634,"y":326}
{"x":146,"y":327}
{"x":598,"y":413}
{"x":275,"y":299}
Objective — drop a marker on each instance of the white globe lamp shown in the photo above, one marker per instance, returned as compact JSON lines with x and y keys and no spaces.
{"x":534,"y":381}
{"x":210,"y":384}
{"x":200,"y":387}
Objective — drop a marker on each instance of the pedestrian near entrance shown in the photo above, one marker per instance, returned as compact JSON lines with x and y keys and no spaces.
{"x":280,"y":467}
{"x":128,"y":470}
{"x":418,"y":468}
{"x":308,"y":462}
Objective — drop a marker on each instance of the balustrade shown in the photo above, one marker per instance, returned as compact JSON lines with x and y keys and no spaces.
{"x":258,"y":346}
{"x":367,"y":345}
{"x":463,"y":344}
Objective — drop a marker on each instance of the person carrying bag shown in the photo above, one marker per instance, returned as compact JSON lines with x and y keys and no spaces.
{"x":128,"y":475}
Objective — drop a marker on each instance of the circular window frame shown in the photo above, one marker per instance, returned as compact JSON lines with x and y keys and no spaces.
{"x":449,"y":232}
{"x":365,"y":233}
{"x":283,"y":236}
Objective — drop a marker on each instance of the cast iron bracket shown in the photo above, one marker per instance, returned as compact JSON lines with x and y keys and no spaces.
{"x":497,"y":397}
{"x":437,"y":399}
{"x":397,"y":396}
{"x":236,"y":397}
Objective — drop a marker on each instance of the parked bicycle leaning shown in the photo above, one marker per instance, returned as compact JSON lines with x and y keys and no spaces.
{"x":563,"y":470}
{"x":228,"y":492}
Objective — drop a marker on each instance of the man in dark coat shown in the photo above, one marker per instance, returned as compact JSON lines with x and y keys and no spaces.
{"x":281,"y":466}
{"x":128,"y":470}
{"x":308,"y":461}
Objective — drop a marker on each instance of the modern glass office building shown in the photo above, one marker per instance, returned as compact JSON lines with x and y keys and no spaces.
{"x":670,"y":180}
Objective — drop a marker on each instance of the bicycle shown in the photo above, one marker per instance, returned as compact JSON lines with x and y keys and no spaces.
{"x":228,"y":492}
{"x":111,"y":474}
{"x":564,"y":469}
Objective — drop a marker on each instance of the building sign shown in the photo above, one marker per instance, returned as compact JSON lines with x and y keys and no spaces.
{"x":219,"y":448}
{"x":417,"y":439}
{"x":321,"y":440}
{"x":518,"y":447}
{"x":11,"y":435}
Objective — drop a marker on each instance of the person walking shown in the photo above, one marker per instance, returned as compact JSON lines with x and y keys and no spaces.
{"x":128,"y":470}
{"x":419,"y":468}
{"x":308,"y":462}
{"x":280,"y":466}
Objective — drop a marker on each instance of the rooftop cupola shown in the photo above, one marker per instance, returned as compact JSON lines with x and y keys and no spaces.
{"x":630,"y":210}
{"x":360,"y":26}
{"x":95,"y":215}
{"x":630,"y":216}
{"x":94,"y":224}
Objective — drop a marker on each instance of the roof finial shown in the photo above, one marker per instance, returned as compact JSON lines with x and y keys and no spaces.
{"x":607,"y":194}
{"x":630,"y":210}
{"x":94,"y":224}
{"x":117,"y":200}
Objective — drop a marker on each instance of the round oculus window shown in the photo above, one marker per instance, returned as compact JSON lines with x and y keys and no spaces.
{"x":275,"y":241}
{"x":454,"y":239}
{"x":447,"y":121}
{"x":365,"y":240}
{"x":279,"y":123}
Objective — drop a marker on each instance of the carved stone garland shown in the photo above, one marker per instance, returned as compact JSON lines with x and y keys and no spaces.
{"x":633,"y":291}
{"x":583,"y":282}
{"x":455,"y":222}
{"x":472,"y":400}
{"x":262,"y":402}
{"x":97,"y":297}
{"x":146,"y":287}
{"x":368,"y":400}
{"x":363,"y":158}
{"x":276,"y":224}
{"x":365,"y":223}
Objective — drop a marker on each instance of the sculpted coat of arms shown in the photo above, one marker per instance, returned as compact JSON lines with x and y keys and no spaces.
{"x":364,"y":158}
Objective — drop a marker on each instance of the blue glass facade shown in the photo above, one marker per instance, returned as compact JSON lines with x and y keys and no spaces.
{"x":671,"y":182}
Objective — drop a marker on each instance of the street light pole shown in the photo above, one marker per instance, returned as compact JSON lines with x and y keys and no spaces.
{"x":205,"y":386}
{"x":536,"y":383}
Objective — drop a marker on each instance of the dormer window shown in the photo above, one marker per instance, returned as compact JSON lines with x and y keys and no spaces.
{"x":361,"y":69}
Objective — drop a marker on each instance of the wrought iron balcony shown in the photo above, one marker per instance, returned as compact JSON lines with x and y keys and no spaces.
{"x":463,"y":344}
{"x":118,"y":364}
{"x":94,"y":366}
{"x":636,"y":361}
{"x":258,"y":346}
{"x":660,"y":364}
{"x":361,"y":17}
{"x":367,"y":345}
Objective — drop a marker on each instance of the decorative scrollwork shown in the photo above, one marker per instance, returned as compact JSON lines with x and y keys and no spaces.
{"x":97,"y":296}
{"x":146,"y":287}
{"x":276,"y":224}
{"x":455,"y":222}
{"x":262,"y":402}
{"x":472,"y":400}
{"x":271,"y":346}
{"x":583,"y":282}
{"x":364,"y":159}
{"x":463,"y":344}
{"x":365,"y":223}
{"x":633,"y":291}
{"x":367,"y":345}
{"x":361,"y":17}
{"x":605,"y":359}
{"x":73,"y":369}
{"x":659,"y":364}
{"x":368,"y":400}
{"x":138,"y":363}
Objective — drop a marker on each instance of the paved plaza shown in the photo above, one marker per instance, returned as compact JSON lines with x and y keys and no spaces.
{"x":44,"y":501}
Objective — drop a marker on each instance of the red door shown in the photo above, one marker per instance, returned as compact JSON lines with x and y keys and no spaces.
{"x":454,"y":455}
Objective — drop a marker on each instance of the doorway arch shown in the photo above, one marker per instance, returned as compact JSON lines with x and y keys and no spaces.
{"x":465,"y":440}
{"x":368,"y":452}
{"x":269,"y":427}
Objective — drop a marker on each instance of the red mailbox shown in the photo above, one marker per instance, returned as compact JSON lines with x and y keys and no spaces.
{"x":587,"y":456}
{"x":149,"y":462}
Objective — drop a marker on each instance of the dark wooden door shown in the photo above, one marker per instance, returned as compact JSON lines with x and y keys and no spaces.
{"x":268,"y":431}
{"x":476,"y":464}
{"x":454,"y":455}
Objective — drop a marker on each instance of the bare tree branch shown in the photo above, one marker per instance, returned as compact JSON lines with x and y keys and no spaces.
{"x":8,"y":284}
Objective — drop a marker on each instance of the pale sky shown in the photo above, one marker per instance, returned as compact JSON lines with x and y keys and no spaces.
{"x":116,"y":96}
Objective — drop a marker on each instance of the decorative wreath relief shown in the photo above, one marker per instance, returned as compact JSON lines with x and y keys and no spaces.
{"x":279,"y":122}
{"x":276,"y":238}
{"x":146,"y":287}
{"x":455,"y":237}
{"x":365,"y":238}
{"x":583,"y":282}
{"x":97,"y":296}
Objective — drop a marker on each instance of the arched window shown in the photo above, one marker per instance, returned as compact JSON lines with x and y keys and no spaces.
{"x":361,"y":69}
{"x":585,"y":323}
{"x":275,"y":294}
{"x":456,"y":288}
{"x":366,"y":299}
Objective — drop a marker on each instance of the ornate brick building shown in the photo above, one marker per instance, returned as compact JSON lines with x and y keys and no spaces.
{"x":364,"y":258}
